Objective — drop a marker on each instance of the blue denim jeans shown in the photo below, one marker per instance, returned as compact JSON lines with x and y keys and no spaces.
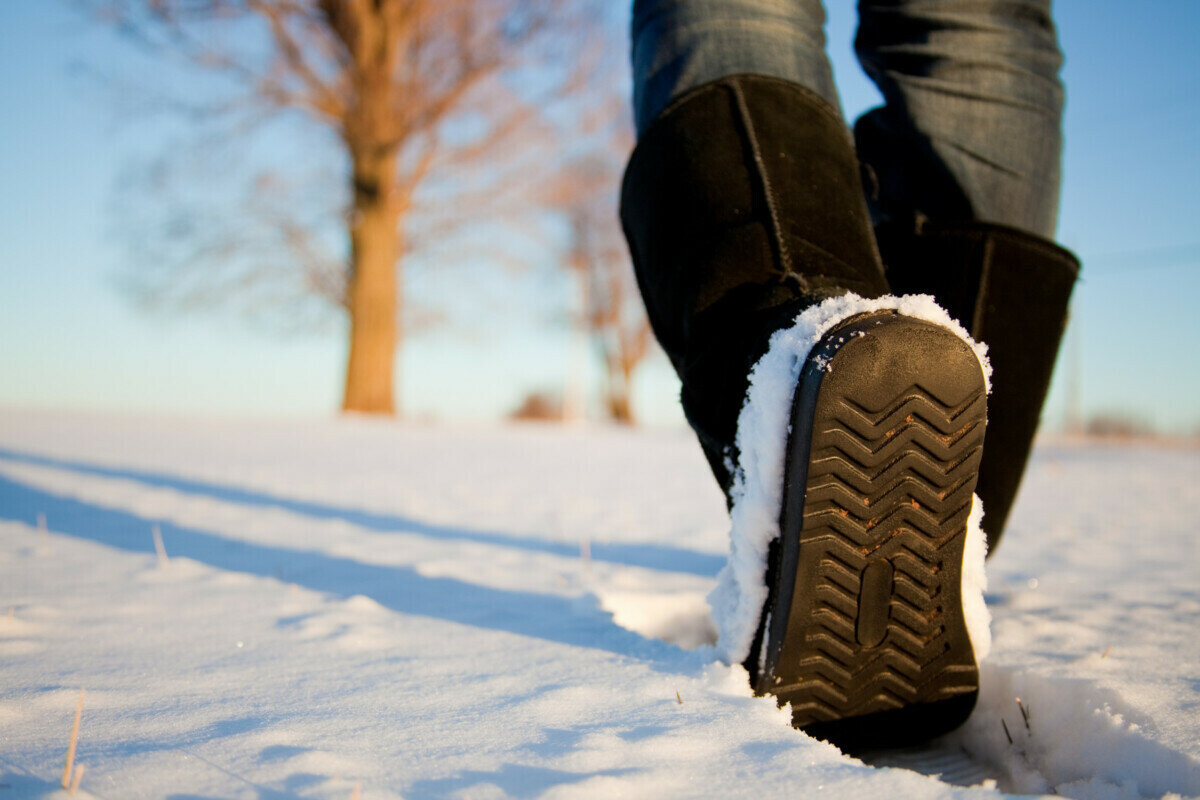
{"x":971,"y":123}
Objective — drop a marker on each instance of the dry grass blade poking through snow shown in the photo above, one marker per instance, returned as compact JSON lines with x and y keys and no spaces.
{"x":66,"y":778}
{"x":75,"y":783}
{"x":159,"y":549}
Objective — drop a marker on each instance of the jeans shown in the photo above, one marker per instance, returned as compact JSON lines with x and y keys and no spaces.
{"x":970,"y":129}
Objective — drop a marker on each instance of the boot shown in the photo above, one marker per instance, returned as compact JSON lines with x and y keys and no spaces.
{"x":1010,"y":290}
{"x":742,"y":205}
{"x":745,"y":216}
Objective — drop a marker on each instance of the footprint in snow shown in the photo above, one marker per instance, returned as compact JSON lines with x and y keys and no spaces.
{"x":1035,"y":734}
{"x":1029,"y":734}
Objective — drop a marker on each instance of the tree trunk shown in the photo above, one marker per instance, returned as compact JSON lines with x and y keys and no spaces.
{"x":373,"y":298}
{"x":619,"y":387}
{"x":619,"y":408}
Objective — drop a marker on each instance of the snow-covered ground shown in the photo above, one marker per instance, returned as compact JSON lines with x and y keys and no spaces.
{"x":360,"y":608}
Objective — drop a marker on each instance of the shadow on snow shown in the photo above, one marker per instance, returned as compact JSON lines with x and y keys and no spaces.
{"x":400,"y":588}
{"x":663,"y":558}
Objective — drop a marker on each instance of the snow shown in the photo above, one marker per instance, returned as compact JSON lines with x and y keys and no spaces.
{"x":430,"y":612}
{"x":758,"y":479}
{"x":974,"y":583}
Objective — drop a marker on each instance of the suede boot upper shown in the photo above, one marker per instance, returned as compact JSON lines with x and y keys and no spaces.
{"x":742,"y":205}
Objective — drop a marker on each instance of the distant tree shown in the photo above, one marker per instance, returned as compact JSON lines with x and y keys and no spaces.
{"x":539,"y":405}
{"x":609,"y":310}
{"x":433,"y":107}
{"x":586,"y":189}
{"x":1116,"y":426}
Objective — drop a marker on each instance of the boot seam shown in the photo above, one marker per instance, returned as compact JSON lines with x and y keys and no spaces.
{"x":783,"y":257}
{"x":985,"y":274}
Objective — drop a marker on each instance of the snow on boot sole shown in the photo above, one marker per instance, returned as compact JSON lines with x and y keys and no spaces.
{"x":863,"y":630}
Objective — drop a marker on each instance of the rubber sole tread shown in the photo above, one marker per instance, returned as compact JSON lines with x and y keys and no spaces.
{"x":863,"y":633}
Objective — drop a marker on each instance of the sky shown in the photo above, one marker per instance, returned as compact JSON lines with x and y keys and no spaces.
{"x":70,"y":338}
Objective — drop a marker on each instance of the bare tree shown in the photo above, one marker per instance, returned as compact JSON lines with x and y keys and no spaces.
{"x":609,"y":306}
{"x":411,"y":90}
{"x":586,"y":189}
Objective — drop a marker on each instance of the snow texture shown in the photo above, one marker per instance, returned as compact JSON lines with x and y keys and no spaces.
{"x":974,"y":583}
{"x":762,"y":434}
{"x":519,"y":612}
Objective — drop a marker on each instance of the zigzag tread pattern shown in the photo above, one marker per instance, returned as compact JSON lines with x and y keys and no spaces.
{"x":890,"y":488}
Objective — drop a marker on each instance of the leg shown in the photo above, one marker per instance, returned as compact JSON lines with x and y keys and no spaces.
{"x":850,"y":459}
{"x":963,"y":179}
{"x":971,"y":126}
{"x":680,"y":45}
{"x":713,"y":227}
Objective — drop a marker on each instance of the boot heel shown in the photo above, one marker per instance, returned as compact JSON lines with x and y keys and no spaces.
{"x":863,"y":632}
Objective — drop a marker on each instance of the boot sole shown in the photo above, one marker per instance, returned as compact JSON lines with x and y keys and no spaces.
{"x":863,"y":631}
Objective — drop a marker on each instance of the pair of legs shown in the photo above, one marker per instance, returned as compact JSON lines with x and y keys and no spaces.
{"x":752,"y":218}
{"x":971,"y":125}
{"x":960,"y":172}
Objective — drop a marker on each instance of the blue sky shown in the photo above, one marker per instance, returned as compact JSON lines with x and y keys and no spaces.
{"x":70,"y":339}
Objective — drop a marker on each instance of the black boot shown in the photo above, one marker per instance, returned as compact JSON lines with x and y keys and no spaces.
{"x":742,"y":204}
{"x":1010,"y":290}
{"x":743,"y":207}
